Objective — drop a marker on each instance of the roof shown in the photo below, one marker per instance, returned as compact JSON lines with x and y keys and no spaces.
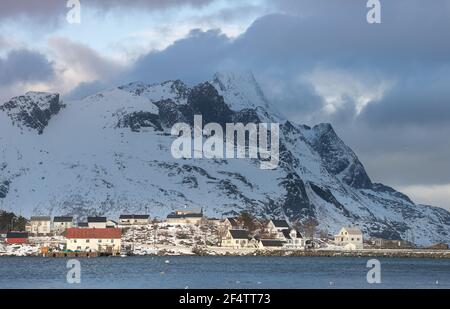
{"x":272,"y":243}
{"x":286,"y":234}
{"x":40,"y":218}
{"x":233,"y":221}
{"x":280,"y":223}
{"x":17,"y":235}
{"x":184,"y":216}
{"x":93,"y":233}
{"x":134,"y":217}
{"x":239,"y":234}
{"x":62,"y":219}
{"x":96,"y":219}
{"x":353,"y":230}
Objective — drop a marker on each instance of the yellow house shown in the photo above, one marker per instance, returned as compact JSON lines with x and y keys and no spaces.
{"x":236,"y":239}
{"x":350,"y":238}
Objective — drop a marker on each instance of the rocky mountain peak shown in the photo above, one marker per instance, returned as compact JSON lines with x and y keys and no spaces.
{"x":33,"y":110}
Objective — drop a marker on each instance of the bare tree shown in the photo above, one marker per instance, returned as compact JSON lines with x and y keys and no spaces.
{"x":310,"y":227}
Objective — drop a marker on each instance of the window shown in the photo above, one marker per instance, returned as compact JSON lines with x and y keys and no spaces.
{"x":112,"y":241}
{"x":353,"y":239}
{"x":75,"y":241}
{"x":99,"y":240}
{"x":87,"y":241}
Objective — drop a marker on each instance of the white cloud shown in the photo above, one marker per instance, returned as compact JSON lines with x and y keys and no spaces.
{"x":338,"y":87}
{"x":437,"y":195}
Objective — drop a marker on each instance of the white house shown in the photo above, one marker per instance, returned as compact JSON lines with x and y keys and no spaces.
{"x":102,"y":240}
{"x":127,"y":220}
{"x":350,"y":238}
{"x":97,"y":222}
{"x":60,"y":224}
{"x":276,"y":227}
{"x":231,"y":223}
{"x":111,"y":224}
{"x":294,"y":240}
{"x":185,"y":217}
{"x":236,"y":239}
{"x":40,"y":225}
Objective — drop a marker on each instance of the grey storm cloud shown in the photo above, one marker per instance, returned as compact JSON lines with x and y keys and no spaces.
{"x":52,"y":11}
{"x":25,"y":66}
{"x":329,"y":34}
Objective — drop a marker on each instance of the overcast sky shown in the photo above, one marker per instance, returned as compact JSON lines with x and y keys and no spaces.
{"x":384,"y":87}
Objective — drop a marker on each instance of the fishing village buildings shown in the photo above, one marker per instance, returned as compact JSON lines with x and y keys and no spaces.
{"x":181,"y":228}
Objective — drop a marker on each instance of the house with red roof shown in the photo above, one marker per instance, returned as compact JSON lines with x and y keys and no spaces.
{"x":101,"y":240}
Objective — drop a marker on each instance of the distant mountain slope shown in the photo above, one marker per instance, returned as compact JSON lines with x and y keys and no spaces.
{"x":110,"y":153}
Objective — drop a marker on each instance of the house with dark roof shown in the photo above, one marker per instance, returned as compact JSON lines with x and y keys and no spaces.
{"x":39,"y":225}
{"x":97,"y":222}
{"x":185,"y":217}
{"x":16,"y":238}
{"x":276,"y":227}
{"x":60,"y":224}
{"x":127,"y":220}
{"x":272,"y":244}
{"x":102,"y":240}
{"x":232,"y":223}
{"x":237,"y":239}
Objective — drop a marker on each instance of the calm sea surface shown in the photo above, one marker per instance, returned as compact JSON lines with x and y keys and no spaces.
{"x":223,"y":272}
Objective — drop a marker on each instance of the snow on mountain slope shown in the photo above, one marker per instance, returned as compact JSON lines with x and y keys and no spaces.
{"x":110,"y":153}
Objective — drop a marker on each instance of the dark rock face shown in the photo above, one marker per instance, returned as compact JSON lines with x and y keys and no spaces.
{"x":327,"y":196}
{"x":33,"y":110}
{"x":339,"y":159}
{"x":296,"y":203}
{"x":137,"y":120}
{"x":4,"y":188}
{"x":206,"y":101}
{"x":246,"y":116}
{"x":171,"y":113}
{"x":378,"y":187}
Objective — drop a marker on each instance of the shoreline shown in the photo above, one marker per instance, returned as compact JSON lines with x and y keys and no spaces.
{"x":223,"y":252}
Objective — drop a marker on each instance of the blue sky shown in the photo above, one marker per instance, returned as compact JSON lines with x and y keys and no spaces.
{"x":383,"y":87}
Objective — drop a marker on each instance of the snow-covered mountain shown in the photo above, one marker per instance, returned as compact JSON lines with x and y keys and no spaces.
{"x":109,"y":153}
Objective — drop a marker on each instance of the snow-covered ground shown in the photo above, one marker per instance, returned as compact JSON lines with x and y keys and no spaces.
{"x":109,"y":154}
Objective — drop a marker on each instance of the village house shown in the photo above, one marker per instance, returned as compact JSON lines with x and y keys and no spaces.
{"x":232,"y":224}
{"x":236,"y":239}
{"x":101,"y":240}
{"x":293,"y":239}
{"x":351,"y":238}
{"x":271,"y":244}
{"x":127,"y":220}
{"x":39,"y":226}
{"x":82,"y":225}
{"x":185,"y":217}
{"x":276,"y":228}
{"x":97,"y":222}
{"x":16,"y":238}
{"x":111,"y":224}
{"x":60,"y":224}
